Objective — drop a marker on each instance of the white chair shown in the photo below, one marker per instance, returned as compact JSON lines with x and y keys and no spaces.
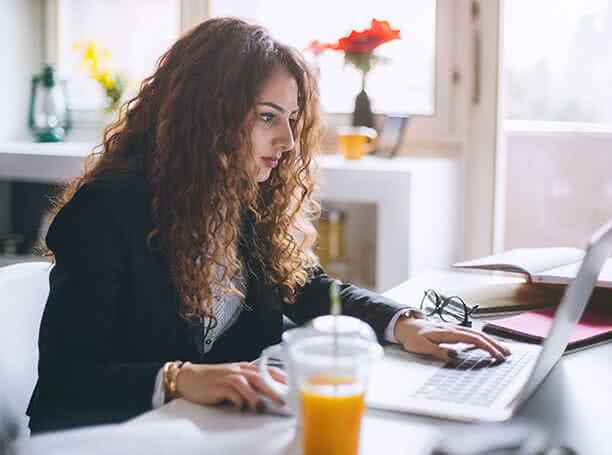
{"x":24,"y":289}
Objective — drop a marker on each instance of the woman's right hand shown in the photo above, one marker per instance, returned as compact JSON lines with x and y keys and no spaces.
{"x":239,"y":383}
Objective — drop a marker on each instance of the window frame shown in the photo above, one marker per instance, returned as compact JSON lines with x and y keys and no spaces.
{"x":436,"y":130}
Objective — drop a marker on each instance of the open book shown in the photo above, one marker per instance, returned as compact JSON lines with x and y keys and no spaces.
{"x":540,"y":265}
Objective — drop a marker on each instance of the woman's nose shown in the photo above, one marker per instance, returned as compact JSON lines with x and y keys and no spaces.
{"x":285,"y":137}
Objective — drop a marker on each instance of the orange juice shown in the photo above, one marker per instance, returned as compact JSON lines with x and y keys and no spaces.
{"x":331,"y":415}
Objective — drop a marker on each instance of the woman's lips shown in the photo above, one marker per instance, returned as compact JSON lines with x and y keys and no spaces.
{"x":270,"y":162}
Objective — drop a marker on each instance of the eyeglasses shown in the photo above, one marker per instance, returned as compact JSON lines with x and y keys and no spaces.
{"x":450,"y":309}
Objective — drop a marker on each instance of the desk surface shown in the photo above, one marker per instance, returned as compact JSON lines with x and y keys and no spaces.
{"x":572,"y":405}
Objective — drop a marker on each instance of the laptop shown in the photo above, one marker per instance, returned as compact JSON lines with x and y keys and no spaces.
{"x":476,"y":387}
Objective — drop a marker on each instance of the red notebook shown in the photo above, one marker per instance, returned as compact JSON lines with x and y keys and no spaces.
{"x":533,"y":326}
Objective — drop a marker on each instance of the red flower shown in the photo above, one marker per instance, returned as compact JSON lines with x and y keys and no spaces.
{"x":358,"y":47}
{"x":380,"y":32}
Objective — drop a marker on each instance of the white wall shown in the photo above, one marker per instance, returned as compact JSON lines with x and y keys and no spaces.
{"x":20,"y":57}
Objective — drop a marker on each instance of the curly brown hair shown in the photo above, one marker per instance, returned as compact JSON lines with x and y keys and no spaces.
{"x":188,"y":132}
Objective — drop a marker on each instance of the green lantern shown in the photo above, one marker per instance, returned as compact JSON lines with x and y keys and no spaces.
{"x":49,"y":118}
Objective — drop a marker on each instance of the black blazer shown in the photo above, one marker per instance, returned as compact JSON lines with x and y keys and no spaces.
{"x":112,"y":317}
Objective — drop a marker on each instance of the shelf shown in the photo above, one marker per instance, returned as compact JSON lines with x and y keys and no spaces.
{"x":416,"y":199}
{"x":46,"y":163}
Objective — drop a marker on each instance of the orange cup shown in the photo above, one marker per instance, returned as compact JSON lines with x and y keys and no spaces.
{"x":354,"y":142}
{"x":328,"y":368}
{"x":332,"y":408}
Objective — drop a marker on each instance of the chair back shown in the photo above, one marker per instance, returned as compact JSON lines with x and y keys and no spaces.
{"x":24,"y":289}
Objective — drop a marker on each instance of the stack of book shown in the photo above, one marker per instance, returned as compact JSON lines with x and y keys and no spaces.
{"x":547,"y":272}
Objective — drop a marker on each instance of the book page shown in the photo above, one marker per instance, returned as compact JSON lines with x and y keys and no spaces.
{"x":563,"y":275}
{"x":491,"y":292}
{"x":510,"y":297}
{"x":526,"y":260}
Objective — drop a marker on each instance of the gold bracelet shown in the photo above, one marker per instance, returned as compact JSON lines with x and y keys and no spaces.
{"x":170,"y":373}
{"x":412,"y":313}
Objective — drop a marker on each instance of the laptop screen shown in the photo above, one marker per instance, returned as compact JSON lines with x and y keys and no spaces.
{"x":571,"y":307}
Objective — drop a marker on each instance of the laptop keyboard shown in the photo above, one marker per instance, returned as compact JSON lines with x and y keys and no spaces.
{"x":474,"y":378}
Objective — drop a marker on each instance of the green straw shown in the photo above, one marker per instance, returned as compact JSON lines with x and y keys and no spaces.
{"x":335,"y":308}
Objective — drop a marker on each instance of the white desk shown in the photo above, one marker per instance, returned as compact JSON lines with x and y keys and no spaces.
{"x":573,"y":405}
{"x":416,"y":199}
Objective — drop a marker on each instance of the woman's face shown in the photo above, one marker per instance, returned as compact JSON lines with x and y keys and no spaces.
{"x":275,"y":113}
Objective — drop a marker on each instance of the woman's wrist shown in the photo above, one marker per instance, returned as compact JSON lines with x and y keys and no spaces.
{"x":182,"y":378}
{"x":403,"y":323}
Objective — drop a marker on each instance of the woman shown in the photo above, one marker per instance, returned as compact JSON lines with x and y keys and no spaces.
{"x":191,"y":235}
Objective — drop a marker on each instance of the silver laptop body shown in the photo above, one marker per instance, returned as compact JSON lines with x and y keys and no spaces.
{"x":477,"y":388}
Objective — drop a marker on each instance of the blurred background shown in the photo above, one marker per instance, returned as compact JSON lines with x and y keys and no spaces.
{"x":514,"y":94}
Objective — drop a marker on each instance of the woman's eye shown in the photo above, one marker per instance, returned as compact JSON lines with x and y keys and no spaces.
{"x":266,"y":116}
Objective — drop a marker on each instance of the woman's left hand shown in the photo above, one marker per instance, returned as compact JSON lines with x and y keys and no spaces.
{"x":423,"y":336}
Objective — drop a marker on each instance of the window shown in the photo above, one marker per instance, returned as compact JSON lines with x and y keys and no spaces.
{"x":136,"y":32}
{"x":405,"y":84}
{"x":557,"y":60}
{"x":558,"y":118}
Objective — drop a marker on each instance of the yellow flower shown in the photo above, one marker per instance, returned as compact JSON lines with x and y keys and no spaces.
{"x":93,"y":68}
{"x":90,"y":51}
{"x":96,"y":62}
{"x":104,"y":78}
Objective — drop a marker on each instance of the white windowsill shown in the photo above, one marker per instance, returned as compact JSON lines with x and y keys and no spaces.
{"x":529,"y":127}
